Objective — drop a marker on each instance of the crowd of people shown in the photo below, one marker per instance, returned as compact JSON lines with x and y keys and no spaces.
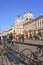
{"x":38,"y":36}
{"x":20,"y":37}
{"x":13,"y":37}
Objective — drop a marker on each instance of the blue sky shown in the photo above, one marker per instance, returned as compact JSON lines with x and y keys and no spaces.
{"x":10,"y":9}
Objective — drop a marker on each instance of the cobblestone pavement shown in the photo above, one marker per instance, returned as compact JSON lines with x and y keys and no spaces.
{"x":34,"y":41}
{"x":5,"y":61}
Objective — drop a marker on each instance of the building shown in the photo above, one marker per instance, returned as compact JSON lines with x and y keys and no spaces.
{"x":26,"y":24}
{"x":16,"y":28}
{"x":34,"y":26}
{"x":27,"y":16}
{"x":0,"y":33}
{"x":9,"y":30}
{"x":19,"y":25}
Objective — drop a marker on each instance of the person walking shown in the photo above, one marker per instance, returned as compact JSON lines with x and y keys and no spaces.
{"x":22,"y":37}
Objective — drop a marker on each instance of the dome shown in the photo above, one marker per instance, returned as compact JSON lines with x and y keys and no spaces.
{"x":28,"y":14}
{"x":18,"y":19}
{"x":28,"y":11}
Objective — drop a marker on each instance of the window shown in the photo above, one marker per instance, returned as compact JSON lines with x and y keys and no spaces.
{"x":40,"y":23}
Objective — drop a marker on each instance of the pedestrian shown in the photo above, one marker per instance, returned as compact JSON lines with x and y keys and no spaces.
{"x":10,"y":36}
{"x":22,"y":37}
{"x":19,"y":37}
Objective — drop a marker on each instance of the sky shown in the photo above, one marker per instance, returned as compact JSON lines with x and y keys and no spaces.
{"x":10,"y":9}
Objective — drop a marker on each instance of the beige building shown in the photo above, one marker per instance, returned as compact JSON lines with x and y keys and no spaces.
{"x":27,"y":16}
{"x":9,"y":30}
{"x":34,"y":26}
{"x":26,"y":25}
{"x":17,"y":28}
{"x":19,"y":25}
{"x":0,"y":33}
{"x":19,"y":21}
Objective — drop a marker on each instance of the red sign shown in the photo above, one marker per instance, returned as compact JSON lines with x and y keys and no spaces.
{"x":26,"y":32}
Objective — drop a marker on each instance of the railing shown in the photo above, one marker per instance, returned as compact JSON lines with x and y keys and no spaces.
{"x":24,"y":53}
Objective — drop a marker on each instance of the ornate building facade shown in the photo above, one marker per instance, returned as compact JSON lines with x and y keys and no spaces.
{"x":26,"y":24}
{"x":19,"y":25}
{"x":27,"y":16}
{"x":34,"y":26}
